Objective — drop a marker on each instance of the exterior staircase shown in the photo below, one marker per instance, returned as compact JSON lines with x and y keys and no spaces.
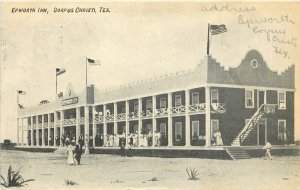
{"x":243,"y":134}
{"x":237,"y":153}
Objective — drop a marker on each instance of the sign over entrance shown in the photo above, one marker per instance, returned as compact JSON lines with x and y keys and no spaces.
{"x":69,"y":101}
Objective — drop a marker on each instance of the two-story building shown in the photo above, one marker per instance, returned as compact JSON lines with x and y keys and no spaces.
{"x":246,"y":105}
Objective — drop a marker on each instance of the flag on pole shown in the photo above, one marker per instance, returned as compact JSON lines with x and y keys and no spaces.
{"x":93,"y":62}
{"x":21,"y":92}
{"x":217,"y":29}
{"x":60,"y":71}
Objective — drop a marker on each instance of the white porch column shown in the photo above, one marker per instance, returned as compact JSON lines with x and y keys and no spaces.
{"x":126,"y":119}
{"x":153,"y":118}
{"x":94,"y":124}
{"x":115,"y":117}
{"x":18,"y":131}
{"x":37,"y":131}
{"x":54,"y":134}
{"x":187,"y":119}
{"x":104,"y":125}
{"x":22,"y":132}
{"x":54,"y":125}
{"x":77,"y":124}
{"x":61,"y":125}
{"x":31,"y":136}
{"x":86,"y":128}
{"x":140,"y":123}
{"x":43,"y":132}
{"x":170,"y":125}
{"x":207,"y":116}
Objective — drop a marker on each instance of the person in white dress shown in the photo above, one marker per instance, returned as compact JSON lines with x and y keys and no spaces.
{"x":145,"y":140}
{"x":218,"y":138}
{"x":116,"y":140}
{"x":158,"y":136}
{"x":70,"y":150}
{"x":135,"y":140}
{"x":111,"y":140}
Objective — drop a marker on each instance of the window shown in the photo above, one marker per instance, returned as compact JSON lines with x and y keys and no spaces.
{"x":195,"y":130}
{"x":163,"y":103}
{"x":214,"y":127}
{"x":282,"y":130}
{"x":249,"y":98}
{"x":149,"y":105}
{"x":214,"y":96}
{"x":163,"y":129}
{"x":195,"y":98}
{"x":177,"y":100}
{"x":178,"y":131}
{"x":135,"y":106}
{"x":254,"y":63}
{"x":281,"y":100}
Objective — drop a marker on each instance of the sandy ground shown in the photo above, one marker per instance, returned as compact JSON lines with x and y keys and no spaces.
{"x":113,"y":172}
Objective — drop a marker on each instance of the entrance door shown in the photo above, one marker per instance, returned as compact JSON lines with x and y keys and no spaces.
{"x":262,"y":132}
{"x":261,"y":98}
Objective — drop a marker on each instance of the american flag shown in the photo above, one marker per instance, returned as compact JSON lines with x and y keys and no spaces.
{"x":217,"y":29}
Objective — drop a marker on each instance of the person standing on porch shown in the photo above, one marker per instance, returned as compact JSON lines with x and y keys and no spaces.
{"x":56,"y":141}
{"x":158,"y":138}
{"x":67,"y":141}
{"x":63,"y":140}
{"x":218,"y":138}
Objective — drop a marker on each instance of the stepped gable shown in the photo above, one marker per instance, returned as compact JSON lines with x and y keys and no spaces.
{"x":217,"y":74}
{"x":253,"y":71}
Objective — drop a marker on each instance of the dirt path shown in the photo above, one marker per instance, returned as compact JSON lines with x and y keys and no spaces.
{"x":113,"y":172}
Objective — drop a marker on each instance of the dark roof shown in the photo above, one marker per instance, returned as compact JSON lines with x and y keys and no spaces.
{"x":247,"y":74}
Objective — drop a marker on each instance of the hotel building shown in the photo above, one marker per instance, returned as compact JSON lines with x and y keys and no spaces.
{"x":249,"y":105}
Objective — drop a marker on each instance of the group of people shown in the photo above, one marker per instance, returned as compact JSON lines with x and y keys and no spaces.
{"x":74,"y":152}
{"x":133,"y":139}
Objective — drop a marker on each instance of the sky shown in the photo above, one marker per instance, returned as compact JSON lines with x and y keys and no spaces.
{"x":133,"y":41}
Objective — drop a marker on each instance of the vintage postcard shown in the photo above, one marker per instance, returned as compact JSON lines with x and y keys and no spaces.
{"x":149,"y":95}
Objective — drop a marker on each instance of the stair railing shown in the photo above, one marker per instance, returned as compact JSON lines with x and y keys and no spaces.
{"x":250,"y":123}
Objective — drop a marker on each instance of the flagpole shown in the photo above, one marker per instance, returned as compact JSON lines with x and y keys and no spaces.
{"x":208,"y":31}
{"x":55,"y":83}
{"x":85,"y":72}
{"x":18,"y":97}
